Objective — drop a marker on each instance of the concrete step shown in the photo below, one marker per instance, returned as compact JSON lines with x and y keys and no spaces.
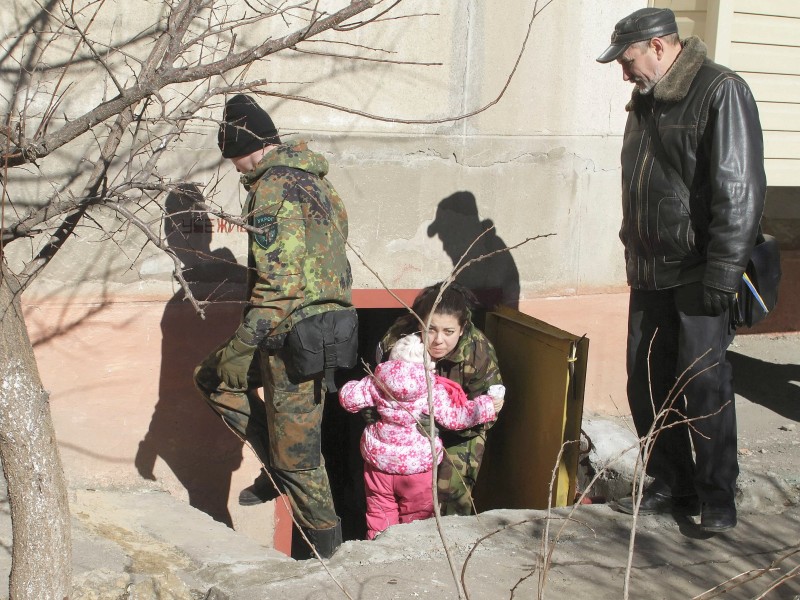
{"x":147,"y":545}
{"x":150,"y":546}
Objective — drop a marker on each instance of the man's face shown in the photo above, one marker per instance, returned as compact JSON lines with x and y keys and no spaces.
{"x":641,"y":66}
{"x":248,"y":162}
{"x":243,"y":164}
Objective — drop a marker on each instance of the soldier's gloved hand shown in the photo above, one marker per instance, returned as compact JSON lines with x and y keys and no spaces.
{"x":234,"y":363}
{"x":370,"y":415}
{"x":717,"y":301}
{"x":424,"y":425}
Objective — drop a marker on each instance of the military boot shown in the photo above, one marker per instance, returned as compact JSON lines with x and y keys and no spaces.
{"x":261,"y":491}
{"x":325,"y":541}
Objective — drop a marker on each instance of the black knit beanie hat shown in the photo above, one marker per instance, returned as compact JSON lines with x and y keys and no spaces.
{"x":245,"y":128}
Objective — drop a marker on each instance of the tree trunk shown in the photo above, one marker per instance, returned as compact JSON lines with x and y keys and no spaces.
{"x":41,"y":559}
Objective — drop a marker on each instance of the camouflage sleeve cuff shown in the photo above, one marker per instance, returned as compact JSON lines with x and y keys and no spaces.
{"x":240,"y":346}
{"x":258,"y":323}
{"x":245,"y":336}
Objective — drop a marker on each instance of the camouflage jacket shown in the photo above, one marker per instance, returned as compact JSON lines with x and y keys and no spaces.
{"x":472,"y":364}
{"x":297,"y":266}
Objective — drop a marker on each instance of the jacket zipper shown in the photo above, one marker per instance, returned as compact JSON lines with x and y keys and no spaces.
{"x":641,"y":223}
{"x":648,"y":272}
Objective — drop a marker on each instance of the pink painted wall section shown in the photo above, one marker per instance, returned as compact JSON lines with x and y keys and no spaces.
{"x":603,"y":318}
{"x":125,"y":409}
{"x":127,"y":415}
{"x":786,"y":316}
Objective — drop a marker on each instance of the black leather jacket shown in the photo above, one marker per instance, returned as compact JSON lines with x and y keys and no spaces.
{"x":708,"y":123}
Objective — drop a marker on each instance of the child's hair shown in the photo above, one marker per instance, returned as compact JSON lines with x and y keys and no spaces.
{"x":409,"y":348}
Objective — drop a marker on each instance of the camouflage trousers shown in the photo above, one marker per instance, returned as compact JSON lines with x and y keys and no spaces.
{"x":457,"y":474}
{"x":285,"y":429}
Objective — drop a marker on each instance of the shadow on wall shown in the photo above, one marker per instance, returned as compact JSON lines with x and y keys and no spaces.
{"x":495,"y":279}
{"x":782,"y":220}
{"x":184,"y":432}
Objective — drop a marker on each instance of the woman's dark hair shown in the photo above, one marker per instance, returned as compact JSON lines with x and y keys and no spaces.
{"x":456,"y":301}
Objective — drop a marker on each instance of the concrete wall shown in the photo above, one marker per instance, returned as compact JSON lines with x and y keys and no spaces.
{"x":543,"y":160}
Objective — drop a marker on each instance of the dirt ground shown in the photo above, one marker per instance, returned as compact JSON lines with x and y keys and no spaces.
{"x":767,"y":383}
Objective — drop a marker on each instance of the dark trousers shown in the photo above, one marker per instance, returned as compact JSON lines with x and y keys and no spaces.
{"x":676,"y":357}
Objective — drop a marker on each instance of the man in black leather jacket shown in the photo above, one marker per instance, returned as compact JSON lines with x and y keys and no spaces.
{"x":685,"y":257}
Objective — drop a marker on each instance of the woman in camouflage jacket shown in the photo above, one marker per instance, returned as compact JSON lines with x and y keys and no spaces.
{"x":464,"y":354}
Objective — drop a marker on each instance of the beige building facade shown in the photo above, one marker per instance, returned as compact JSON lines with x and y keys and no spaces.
{"x":539,"y":167}
{"x":759,"y":40}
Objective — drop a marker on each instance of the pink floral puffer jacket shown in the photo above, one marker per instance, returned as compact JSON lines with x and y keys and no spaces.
{"x":400,"y":393}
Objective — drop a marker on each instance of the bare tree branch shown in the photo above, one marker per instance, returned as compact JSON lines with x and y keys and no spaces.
{"x":154,"y":77}
{"x":368,"y":59}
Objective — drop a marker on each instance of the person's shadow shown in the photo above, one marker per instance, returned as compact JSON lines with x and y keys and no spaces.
{"x":184,"y":432}
{"x":773,"y":386}
{"x":494,"y":279}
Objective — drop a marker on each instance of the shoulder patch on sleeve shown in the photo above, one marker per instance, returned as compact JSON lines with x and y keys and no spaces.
{"x":268,"y":226}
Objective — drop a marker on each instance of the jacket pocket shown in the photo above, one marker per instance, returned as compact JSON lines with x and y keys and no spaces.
{"x":674,"y":232}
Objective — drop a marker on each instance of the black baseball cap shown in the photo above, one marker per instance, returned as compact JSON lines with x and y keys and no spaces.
{"x":643,"y":24}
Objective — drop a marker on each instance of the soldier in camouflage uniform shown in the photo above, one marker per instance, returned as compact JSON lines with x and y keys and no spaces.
{"x":297,"y":267}
{"x":464,"y":354}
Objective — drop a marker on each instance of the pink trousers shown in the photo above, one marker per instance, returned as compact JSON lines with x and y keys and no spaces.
{"x":393,"y":499}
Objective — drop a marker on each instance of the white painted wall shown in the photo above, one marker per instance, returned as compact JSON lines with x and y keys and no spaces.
{"x":760,"y":41}
{"x":543,"y":160}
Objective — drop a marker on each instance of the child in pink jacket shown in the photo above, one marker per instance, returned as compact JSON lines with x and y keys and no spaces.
{"x":397,"y":457}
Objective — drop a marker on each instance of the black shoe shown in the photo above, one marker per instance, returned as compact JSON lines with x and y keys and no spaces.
{"x":261,"y":491}
{"x":655,"y":503}
{"x":716,"y":518}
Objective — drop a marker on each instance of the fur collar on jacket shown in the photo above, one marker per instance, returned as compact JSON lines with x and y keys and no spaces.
{"x":674,"y":86}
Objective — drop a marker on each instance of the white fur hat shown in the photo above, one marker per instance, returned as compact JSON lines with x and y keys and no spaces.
{"x":409,"y":348}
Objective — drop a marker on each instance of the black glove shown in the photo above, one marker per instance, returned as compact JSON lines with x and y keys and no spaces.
{"x":717,"y":301}
{"x":370,"y":415}
{"x":234,"y":362}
